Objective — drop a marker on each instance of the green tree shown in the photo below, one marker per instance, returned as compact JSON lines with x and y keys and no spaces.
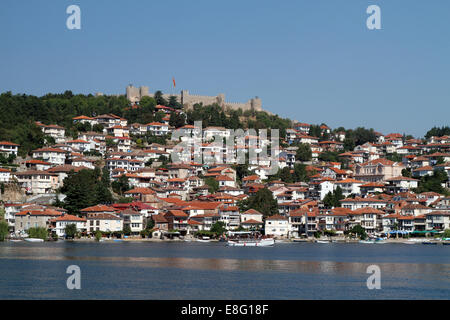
{"x":121,"y":185}
{"x":81,"y":190}
{"x":4,"y":230}
{"x":103,"y":194}
{"x":39,"y":232}
{"x":262,"y":201}
{"x":177,"y":120}
{"x":332,"y":199}
{"x":173,"y":103}
{"x":359,"y":231}
{"x":433,"y":183}
{"x":406,"y":172}
{"x":304,"y":152}
{"x":158,"y":96}
{"x":446,"y":233}
{"x":98,"y":235}
{"x":213,"y":184}
{"x":127,"y":230}
{"x":70,"y":230}
{"x":438,"y":132}
{"x":218,"y":228}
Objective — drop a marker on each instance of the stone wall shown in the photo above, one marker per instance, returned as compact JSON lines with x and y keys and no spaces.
{"x":188,"y":100}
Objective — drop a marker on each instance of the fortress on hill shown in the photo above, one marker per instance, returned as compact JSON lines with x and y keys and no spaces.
{"x":187,"y":100}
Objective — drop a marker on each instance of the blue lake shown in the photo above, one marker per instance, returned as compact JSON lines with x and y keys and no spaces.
{"x":183,"y":270}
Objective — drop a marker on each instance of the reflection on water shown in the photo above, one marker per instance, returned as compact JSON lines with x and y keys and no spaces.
{"x":326,"y":267}
{"x":208,"y":271}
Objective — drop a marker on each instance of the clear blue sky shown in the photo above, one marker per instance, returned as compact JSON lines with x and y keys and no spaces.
{"x":313,"y":61}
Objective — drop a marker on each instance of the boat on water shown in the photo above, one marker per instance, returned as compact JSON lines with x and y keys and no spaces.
{"x":248,"y":239}
{"x":204,"y":239}
{"x":299,"y":240}
{"x":33,"y":240}
{"x":15,"y":240}
{"x":429,"y":242}
{"x":367,"y":241}
{"x":323,"y":241}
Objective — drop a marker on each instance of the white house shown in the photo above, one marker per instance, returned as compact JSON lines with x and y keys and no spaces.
{"x":8,"y":148}
{"x":277,"y":226}
{"x":157,"y":128}
{"x":37,"y":182}
{"x":60,"y":223}
{"x":104,"y":222}
{"x":52,"y":155}
{"x":5,"y":175}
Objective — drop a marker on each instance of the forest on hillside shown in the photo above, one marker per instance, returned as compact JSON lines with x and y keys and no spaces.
{"x":19,"y":112}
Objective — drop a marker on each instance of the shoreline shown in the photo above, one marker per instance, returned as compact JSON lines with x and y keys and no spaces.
{"x":277,"y":241}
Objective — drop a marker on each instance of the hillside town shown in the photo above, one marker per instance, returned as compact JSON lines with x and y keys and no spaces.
{"x":320,"y":186}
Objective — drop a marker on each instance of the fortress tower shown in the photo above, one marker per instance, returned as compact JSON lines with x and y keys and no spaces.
{"x":188,"y":100}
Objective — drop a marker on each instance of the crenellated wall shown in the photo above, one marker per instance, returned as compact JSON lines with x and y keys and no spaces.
{"x":189,"y":100}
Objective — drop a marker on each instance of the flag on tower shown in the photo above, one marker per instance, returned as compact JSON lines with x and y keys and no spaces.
{"x":173,"y":80}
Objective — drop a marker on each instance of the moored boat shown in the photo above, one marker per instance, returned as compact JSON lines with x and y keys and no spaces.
{"x":248,"y":239}
{"x":34,"y":240}
{"x":300,"y":240}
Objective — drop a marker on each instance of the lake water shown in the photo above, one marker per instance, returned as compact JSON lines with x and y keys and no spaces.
{"x":194,"y":270}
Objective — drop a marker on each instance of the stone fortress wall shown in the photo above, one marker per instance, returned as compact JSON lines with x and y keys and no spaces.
{"x":188,"y":100}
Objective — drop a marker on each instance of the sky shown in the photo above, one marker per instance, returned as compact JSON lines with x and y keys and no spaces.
{"x":313,"y":61}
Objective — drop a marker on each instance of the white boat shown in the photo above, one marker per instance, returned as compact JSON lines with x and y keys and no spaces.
{"x":367,"y":242}
{"x":248,"y":239}
{"x":34,"y":240}
{"x":251,"y":243}
{"x":322,"y":241}
{"x":299,"y":240}
{"x":15,"y":240}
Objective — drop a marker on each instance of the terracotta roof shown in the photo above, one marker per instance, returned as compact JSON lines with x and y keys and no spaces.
{"x":251,"y":221}
{"x":276,"y":217}
{"x":46,"y":212}
{"x":98,"y":208}
{"x":7,"y":143}
{"x":69,"y":217}
{"x":140,"y":191}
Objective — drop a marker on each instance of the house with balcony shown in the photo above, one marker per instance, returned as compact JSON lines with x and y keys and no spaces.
{"x":358,"y":203}
{"x":437,"y":220}
{"x":158,"y":128}
{"x":177,"y":220}
{"x":133,"y":219}
{"x":118,"y":131}
{"x":59,"y":224}
{"x":27,"y":219}
{"x":369,"y":218}
{"x":401,"y":184}
{"x":54,"y":131}
{"x":5,"y":175}
{"x":378,"y":170}
{"x":277,"y":226}
{"x":85,"y":119}
{"x":55,"y":156}
{"x":37,"y":182}
{"x":229,"y":215}
{"x":105,"y":222}
{"x":7,"y":148}
{"x":349,"y":186}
